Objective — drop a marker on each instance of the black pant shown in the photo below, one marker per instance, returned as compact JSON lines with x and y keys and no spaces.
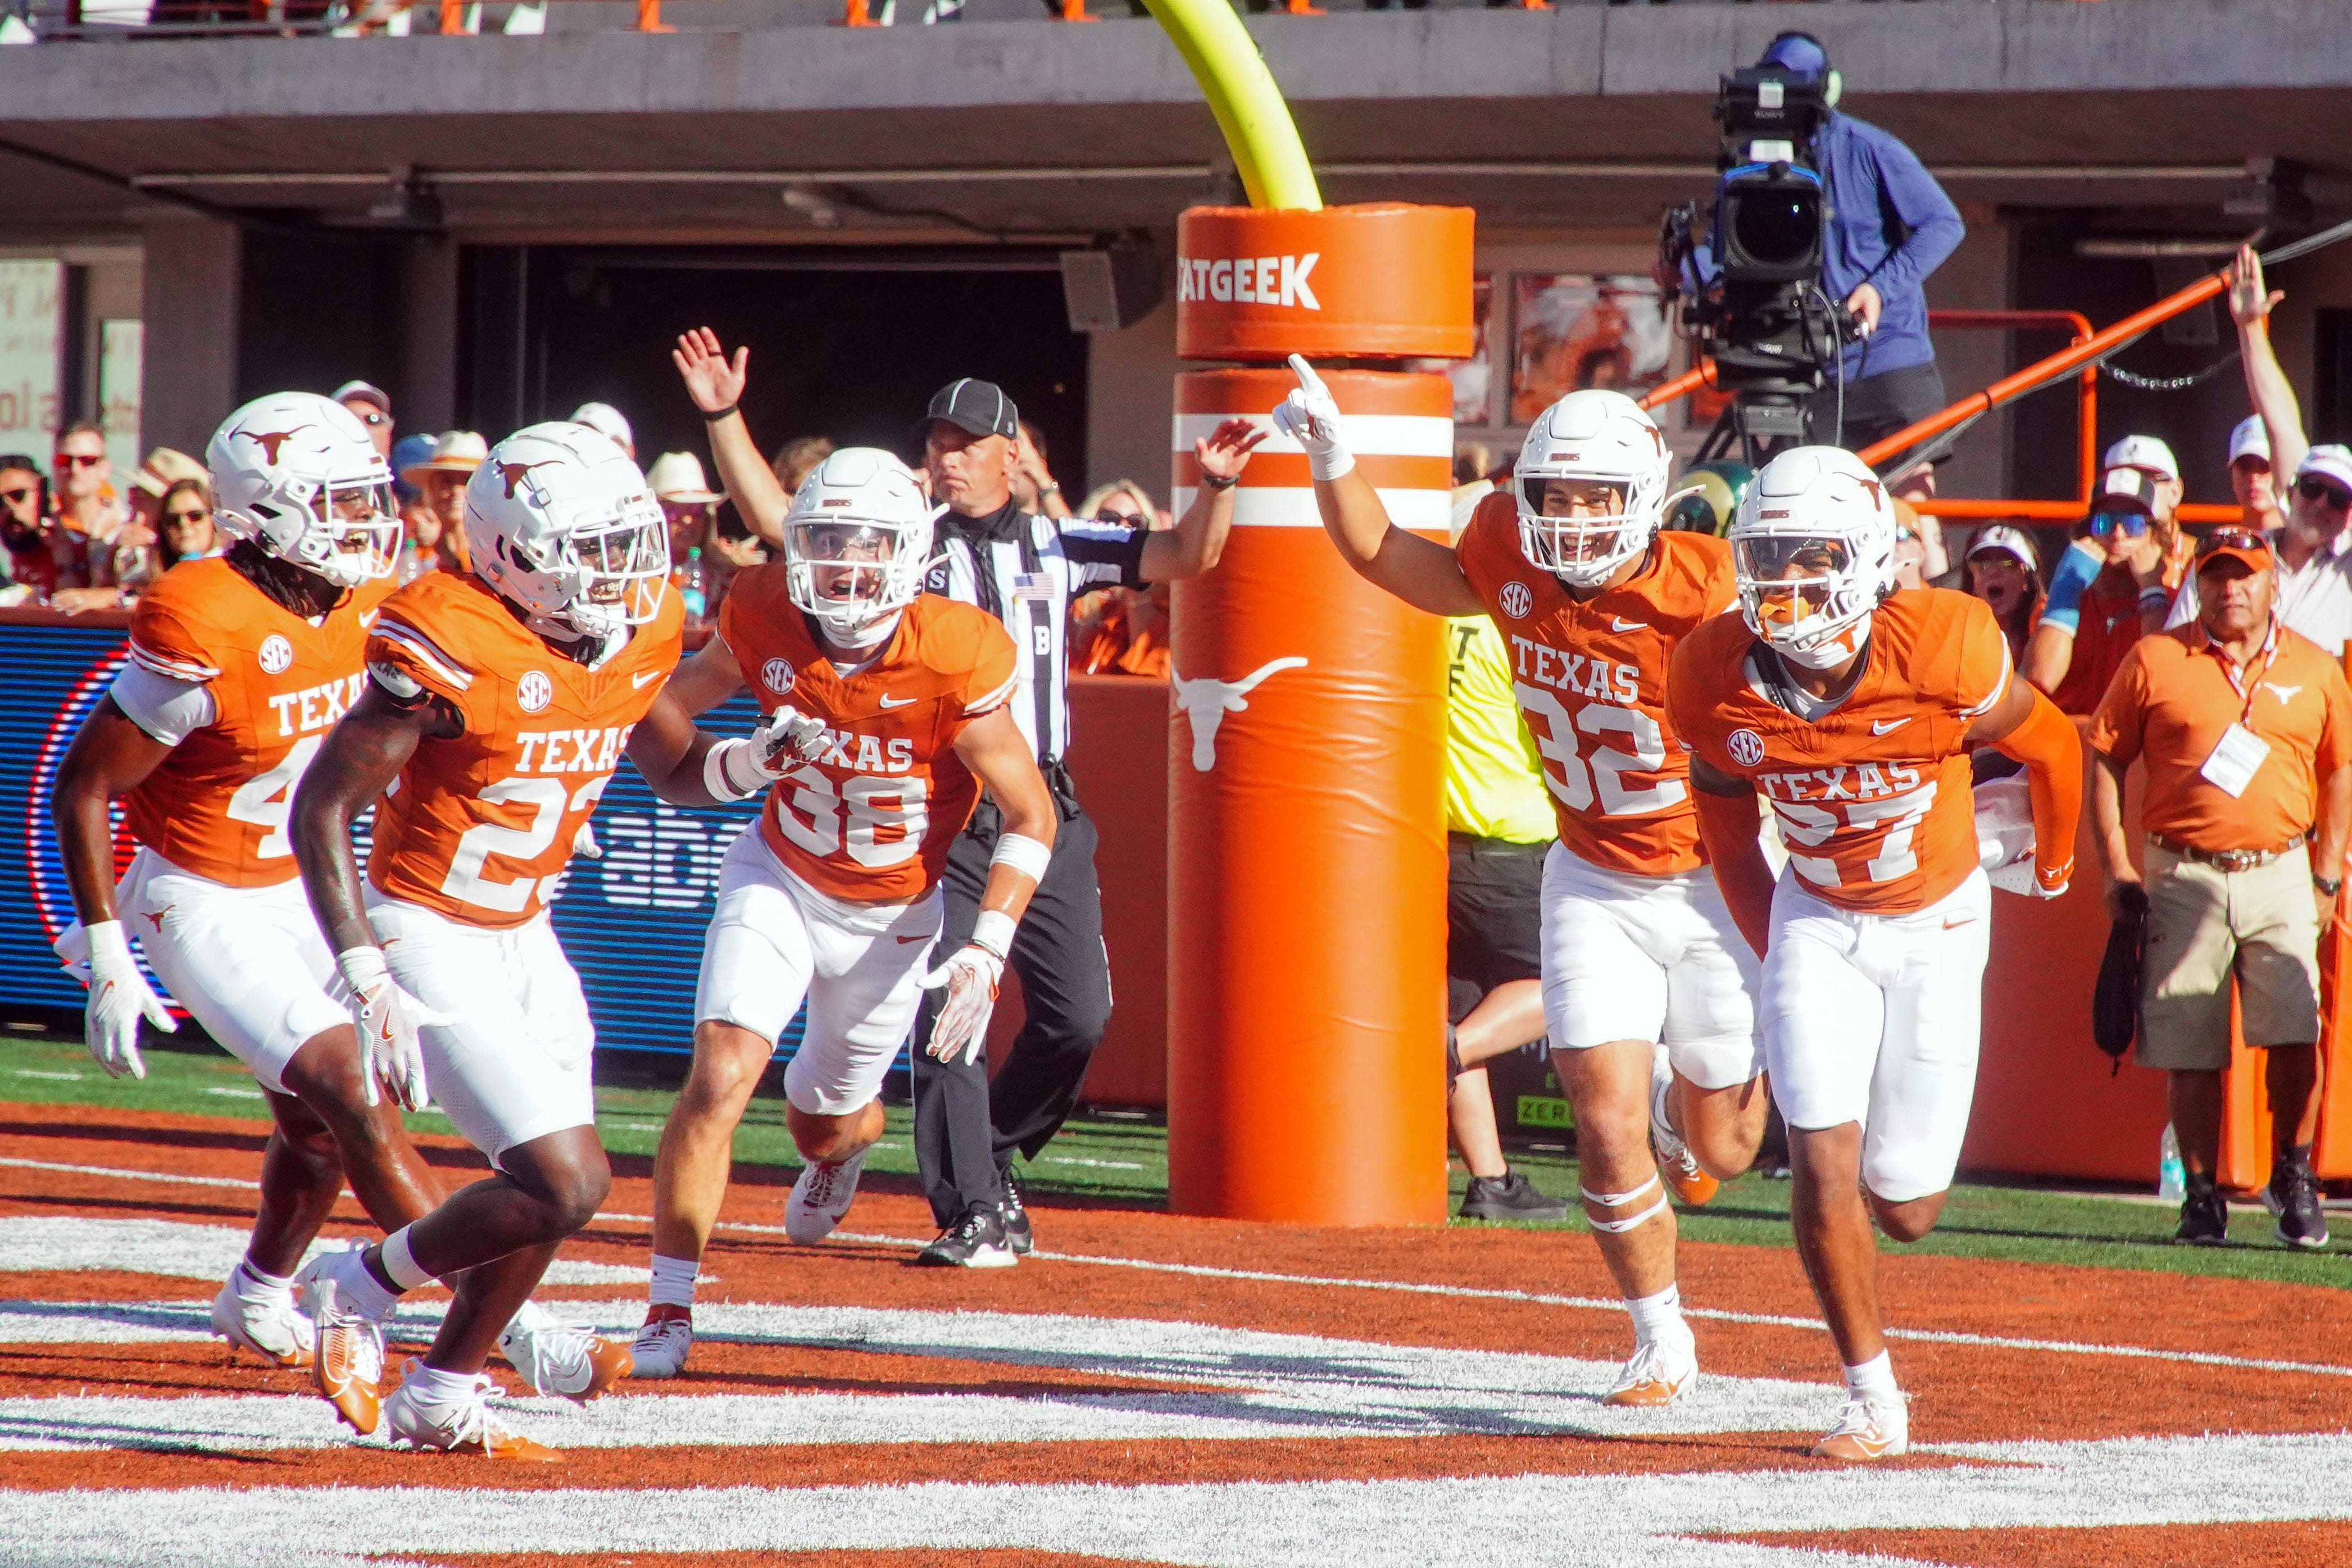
{"x":966,"y":1129}
{"x":1878,"y":406}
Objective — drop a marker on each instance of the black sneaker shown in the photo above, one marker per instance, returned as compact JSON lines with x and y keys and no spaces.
{"x":2294,"y":1195}
{"x":1509,"y":1196}
{"x":2204,"y":1215}
{"x":975,"y":1241}
{"x":1015,"y":1217}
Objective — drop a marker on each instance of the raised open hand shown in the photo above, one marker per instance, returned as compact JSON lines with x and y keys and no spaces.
{"x":1224,"y":452}
{"x":714,"y":381}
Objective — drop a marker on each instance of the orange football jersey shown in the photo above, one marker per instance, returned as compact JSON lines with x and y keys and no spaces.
{"x":479,"y":827}
{"x":871,"y":819}
{"x":1590,"y":680}
{"x":217,"y":805}
{"x":1873,"y":796}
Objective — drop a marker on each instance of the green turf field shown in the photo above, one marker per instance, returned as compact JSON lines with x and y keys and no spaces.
{"x":1123,"y":1158}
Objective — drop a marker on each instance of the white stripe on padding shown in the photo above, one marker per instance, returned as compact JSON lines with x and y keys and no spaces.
{"x":41,"y":1243}
{"x":1293,"y":507}
{"x":425,"y":648}
{"x":1369,"y":435}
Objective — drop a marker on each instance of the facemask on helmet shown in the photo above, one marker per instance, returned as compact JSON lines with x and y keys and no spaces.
{"x":1813,"y":553}
{"x":1591,"y":484}
{"x":560,"y":521}
{"x":297,"y":474}
{"x":857,"y":542}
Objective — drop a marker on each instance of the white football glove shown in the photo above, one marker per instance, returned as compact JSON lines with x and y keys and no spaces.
{"x":119,"y":998}
{"x":971,"y":975}
{"x":780,"y":742}
{"x":1310,"y":417}
{"x":387,"y":1020}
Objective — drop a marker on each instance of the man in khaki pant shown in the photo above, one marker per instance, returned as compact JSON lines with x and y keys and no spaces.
{"x":2245,"y":729}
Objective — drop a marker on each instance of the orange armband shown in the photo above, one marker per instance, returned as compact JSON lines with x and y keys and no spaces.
{"x":2051,"y":750}
{"x":1728,"y":826}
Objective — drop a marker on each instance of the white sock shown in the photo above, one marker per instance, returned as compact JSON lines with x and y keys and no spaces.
{"x":435,"y":1386}
{"x":673,"y":1283}
{"x":1874,"y":1378}
{"x":1659,"y":1316}
{"x":363,"y":1292}
{"x":254,"y":1284}
{"x":401,"y":1263}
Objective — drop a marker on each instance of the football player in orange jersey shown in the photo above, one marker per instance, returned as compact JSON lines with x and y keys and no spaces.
{"x":884,"y":716}
{"x":238,"y":666}
{"x":1850,"y":707}
{"x":498,"y":704}
{"x":1647,"y":984}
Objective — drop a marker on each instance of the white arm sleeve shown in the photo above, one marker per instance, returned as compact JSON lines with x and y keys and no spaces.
{"x":168,"y":709}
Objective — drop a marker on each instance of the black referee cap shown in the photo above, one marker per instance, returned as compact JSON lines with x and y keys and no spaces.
{"x":979,"y":407}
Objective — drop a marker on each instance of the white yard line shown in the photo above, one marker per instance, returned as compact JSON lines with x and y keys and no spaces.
{"x":1459,"y":1292}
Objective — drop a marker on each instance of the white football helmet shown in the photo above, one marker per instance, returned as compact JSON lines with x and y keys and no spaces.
{"x":1813,"y":550}
{"x":296,"y":473}
{"x":1600,"y":437}
{"x":559,"y":520}
{"x":857,"y":541}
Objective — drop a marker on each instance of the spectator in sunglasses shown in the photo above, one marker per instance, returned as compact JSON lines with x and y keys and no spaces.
{"x":104,"y":554}
{"x":1121,"y":631}
{"x":185,"y":523}
{"x":2116,"y":581}
{"x":26,"y":563}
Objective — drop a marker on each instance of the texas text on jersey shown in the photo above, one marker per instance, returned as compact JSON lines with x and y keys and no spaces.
{"x":1872,"y":795}
{"x":216,"y":806}
{"x":478,"y":828}
{"x":1590,"y":680}
{"x":870,"y":818}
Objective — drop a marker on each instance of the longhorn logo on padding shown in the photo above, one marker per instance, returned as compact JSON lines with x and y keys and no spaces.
{"x":1206,"y":701}
{"x":512,"y":472}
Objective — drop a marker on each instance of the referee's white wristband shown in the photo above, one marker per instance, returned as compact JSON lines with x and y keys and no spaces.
{"x":993,"y":930}
{"x":1023,"y":854}
{"x":722,"y":766}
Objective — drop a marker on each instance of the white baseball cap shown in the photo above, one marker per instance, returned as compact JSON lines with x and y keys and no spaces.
{"x":2250,"y":439}
{"x":677,"y":477}
{"x":2003,"y":539}
{"x":607,"y":421}
{"x":2143,"y":452}
{"x":2329,"y":462}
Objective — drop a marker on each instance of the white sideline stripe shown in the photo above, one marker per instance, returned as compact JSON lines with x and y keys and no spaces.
{"x":37,"y":1243}
{"x":1369,"y":435}
{"x":1670,"y":1520}
{"x":129,"y":1176}
{"x":1293,"y":507}
{"x":1243,"y":1382}
{"x":1471,"y":1292}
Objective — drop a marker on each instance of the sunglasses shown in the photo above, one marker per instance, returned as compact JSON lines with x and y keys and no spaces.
{"x":80,"y":459}
{"x":1128,"y":519}
{"x":195,"y":516}
{"x":2312,"y":487}
{"x":17,"y":497}
{"x":2232,"y":538}
{"x":2132,"y":524}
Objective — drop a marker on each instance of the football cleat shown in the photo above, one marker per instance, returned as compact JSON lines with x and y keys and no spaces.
{"x":1013,"y":1215}
{"x":461,"y":1426}
{"x":268,"y":1324}
{"x":347,"y":1366}
{"x":822,"y":1197}
{"x":1661,"y":1372}
{"x":1675,"y":1162}
{"x":976,"y":1241}
{"x":1873,"y":1427}
{"x":559,"y":1359}
{"x":665,"y":1342}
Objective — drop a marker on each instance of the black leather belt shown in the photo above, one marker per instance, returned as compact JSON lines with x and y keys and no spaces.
{"x":2225,"y":860}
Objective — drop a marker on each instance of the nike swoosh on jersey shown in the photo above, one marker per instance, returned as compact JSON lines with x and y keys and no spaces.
{"x":1619,"y":624}
{"x":898,"y":702}
{"x":367,"y":618}
{"x":1888,"y":727}
{"x":637,"y":680}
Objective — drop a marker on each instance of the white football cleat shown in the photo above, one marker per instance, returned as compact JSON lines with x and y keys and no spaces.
{"x":347,"y":1367}
{"x":822,"y":1197}
{"x":460,"y":1425}
{"x":1872,"y":1427}
{"x":559,"y":1359}
{"x":664,"y":1344}
{"x":1681,"y":1168}
{"x":264,"y":1321}
{"x":1660,"y":1372}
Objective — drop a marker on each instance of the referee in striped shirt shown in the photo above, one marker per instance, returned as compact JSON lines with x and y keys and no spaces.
{"x":1024,"y":568}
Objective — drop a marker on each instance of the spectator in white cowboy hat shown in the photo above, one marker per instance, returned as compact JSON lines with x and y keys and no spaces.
{"x":608,"y":421}
{"x":372,"y":406}
{"x":441,"y":479}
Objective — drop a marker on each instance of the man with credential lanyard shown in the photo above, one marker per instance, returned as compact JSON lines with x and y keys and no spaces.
{"x":1024,"y":569}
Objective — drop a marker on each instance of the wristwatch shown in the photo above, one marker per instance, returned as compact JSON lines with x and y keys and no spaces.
{"x":2330,"y":885}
